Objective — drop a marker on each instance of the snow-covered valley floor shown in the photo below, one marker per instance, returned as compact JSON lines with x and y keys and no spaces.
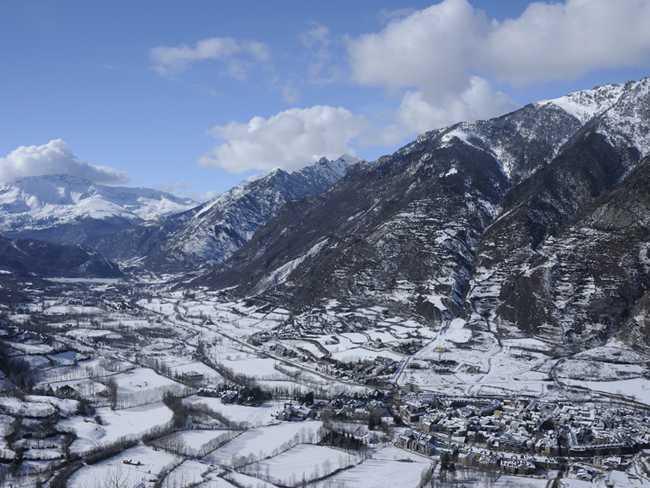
{"x":134,"y":385}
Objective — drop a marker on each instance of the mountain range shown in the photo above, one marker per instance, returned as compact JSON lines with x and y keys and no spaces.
{"x":534,"y":222}
{"x":73,"y":210}
{"x":209,"y":233}
{"x":153,"y":230}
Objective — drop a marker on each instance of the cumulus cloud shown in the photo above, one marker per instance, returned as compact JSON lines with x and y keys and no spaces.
{"x":441,"y":57}
{"x":236,"y":53}
{"x":436,"y":47}
{"x":554,"y":41}
{"x":418,"y":113}
{"x":55,"y":157}
{"x":429,"y":49}
{"x":290,"y":139}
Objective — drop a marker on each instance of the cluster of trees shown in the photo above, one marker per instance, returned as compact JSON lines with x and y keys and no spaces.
{"x":180,"y":416}
{"x":201,"y":409}
{"x":342,"y":440}
{"x":111,"y":392}
{"x":17,"y":370}
{"x":251,"y":394}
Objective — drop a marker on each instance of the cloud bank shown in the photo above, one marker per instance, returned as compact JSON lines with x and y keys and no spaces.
{"x":447,"y":63}
{"x":444,"y":55}
{"x":290,"y":139}
{"x":55,"y":157}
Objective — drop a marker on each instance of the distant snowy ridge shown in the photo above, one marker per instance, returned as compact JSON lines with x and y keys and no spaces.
{"x":42,"y":202}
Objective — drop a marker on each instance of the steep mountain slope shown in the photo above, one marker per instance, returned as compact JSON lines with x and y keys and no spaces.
{"x":547,"y":264}
{"x":582,"y":284}
{"x":410,"y":207}
{"x":408,"y":222}
{"x":449,"y":224}
{"x":69,"y":209}
{"x":21,"y":257}
{"x":213,"y":231}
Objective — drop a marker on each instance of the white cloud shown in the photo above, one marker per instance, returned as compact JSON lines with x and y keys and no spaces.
{"x":55,"y":157}
{"x":565,"y":40}
{"x":428,"y":50}
{"x":418,"y":114}
{"x":448,"y":42}
{"x":441,"y":57}
{"x":290,"y":139}
{"x":236,"y":53}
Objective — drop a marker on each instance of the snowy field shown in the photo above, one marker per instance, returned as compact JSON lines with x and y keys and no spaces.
{"x":264,"y":441}
{"x":116,"y":424}
{"x":637,"y":389}
{"x":144,"y":464}
{"x":302,"y":463}
{"x":250,"y":416}
{"x":389,"y":465}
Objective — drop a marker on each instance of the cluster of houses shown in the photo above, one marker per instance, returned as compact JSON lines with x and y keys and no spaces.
{"x":372,"y":409}
{"x":295,"y":412}
{"x":377,"y":370}
{"x":530,"y":432}
{"x":232,"y":393}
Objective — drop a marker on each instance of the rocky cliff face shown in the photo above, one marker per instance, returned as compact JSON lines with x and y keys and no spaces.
{"x":581,"y":284}
{"x":548,"y":264}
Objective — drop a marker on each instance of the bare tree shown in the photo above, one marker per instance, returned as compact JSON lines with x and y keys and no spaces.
{"x":116,"y":477}
{"x":111,"y":386}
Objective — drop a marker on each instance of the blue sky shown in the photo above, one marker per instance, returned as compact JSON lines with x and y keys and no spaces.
{"x":85,"y":72}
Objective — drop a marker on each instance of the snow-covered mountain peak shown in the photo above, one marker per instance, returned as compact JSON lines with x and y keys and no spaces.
{"x":586,"y":104}
{"x":340,"y":164}
{"x":40,"y":202}
{"x":526,"y":139}
{"x":627,"y":122}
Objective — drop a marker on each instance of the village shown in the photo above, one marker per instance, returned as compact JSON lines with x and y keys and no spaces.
{"x":524,"y":436}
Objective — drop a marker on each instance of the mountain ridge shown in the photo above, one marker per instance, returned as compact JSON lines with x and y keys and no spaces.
{"x":434,"y":229}
{"x":40,"y":206}
{"x":212,"y":231}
